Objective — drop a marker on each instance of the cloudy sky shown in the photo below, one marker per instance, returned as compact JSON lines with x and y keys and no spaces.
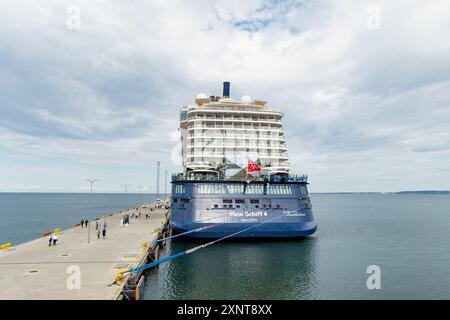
{"x":93,"y":88}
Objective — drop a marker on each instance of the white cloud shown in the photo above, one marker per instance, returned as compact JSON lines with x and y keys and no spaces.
{"x":363,"y":107}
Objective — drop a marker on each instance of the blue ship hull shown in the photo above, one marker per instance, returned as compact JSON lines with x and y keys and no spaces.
{"x":273,"y":230}
{"x":226,"y":212}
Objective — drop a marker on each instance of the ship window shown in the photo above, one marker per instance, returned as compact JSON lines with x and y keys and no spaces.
{"x":238,"y":206}
{"x":227,"y":201}
{"x":254,"y":189}
{"x":179,"y":188}
{"x":211,"y":188}
{"x":235,"y":188}
{"x":303,"y":190}
{"x":216,"y":206}
{"x":254,"y":200}
{"x":239,"y":201}
{"x":174,"y":200}
{"x":256,"y":206}
{"x":279,"y":189}
{"x":184,"y":200}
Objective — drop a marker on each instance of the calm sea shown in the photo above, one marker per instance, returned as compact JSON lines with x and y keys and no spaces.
{"x":406,"y":236}
{"x":26,"y":216}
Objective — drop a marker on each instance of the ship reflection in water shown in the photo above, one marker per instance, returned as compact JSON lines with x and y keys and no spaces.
{"x":237,"y":269}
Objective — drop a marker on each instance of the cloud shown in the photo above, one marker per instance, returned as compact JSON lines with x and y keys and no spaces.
{"x":363,"y":107}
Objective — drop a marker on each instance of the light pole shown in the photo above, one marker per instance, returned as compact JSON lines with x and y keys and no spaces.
{"x":157,"y":179}
{"x":165,"y":184}
{"x":91,"y":181}
{"x":140,"y":188}
{"x":126,"y":186}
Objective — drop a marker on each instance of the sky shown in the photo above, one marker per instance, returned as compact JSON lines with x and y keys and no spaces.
{"x":93,"y":88}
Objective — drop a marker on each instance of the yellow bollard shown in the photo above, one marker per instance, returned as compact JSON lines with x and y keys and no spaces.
{"x":57,"y":231}
{"x":6,"y":246}
{"x":119,"y":278}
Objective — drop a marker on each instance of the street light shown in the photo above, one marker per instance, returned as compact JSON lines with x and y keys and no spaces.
{"x":140,"y":188}
{"x":165,"y":185}
{"x":91,"y":181}
{"x":126,"y":187}
{"x":157,"y":180}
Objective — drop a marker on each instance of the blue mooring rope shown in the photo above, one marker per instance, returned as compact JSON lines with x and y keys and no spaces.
{"x":189,"y":251}
{"x":187,"y":232}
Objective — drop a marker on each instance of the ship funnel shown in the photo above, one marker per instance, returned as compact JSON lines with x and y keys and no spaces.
{"x":226,"y":89}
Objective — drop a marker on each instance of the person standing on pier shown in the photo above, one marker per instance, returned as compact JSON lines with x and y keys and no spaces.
{"x":104,"y":233}
{"x":50,"y":239}
{"x":55,"y":238}
{"x":98,"y":233}
{"x":82,"y":223}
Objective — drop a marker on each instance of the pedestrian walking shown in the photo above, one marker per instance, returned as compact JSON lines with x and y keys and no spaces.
{"x":104,"y":233}
{"x":55,"y":238}
{"x":50,"y":239}
{"x":86,"y":222}
{"x":82,"y":223}
{"x":98,"y":233}
{"x":96,"y":225}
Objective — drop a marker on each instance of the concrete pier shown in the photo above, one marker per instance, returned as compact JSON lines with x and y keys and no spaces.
{"x":33,"y":270}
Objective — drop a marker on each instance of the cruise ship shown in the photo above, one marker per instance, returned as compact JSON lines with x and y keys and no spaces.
{"x":236,"y":179}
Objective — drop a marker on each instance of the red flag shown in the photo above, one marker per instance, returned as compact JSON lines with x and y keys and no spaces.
{"x":251,"y":167}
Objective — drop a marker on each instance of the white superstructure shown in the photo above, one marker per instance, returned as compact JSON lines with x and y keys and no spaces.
{"x":219,"y":130}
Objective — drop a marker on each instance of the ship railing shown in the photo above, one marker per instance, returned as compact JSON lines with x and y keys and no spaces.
{"x":267,"y":178}
{"x":237,"y":145}
{"x":234,"y":127}
{"x":228,"y":107}
{"x":234,"y":136}
{"x":257,"y":154}
{"x":218,"y":118}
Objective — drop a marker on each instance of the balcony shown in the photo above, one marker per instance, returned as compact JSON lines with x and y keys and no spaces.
{"x":191,"y":127}
{"x":258,"y":155}
{"x":234,"y":119}
{"x":221,"y":109}
{"x":285,"y":177}
{"x":237,"y":145}
{"x":198,"y":136}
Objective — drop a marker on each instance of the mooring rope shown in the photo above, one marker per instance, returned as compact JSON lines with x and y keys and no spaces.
{"x":189,"y":251}
{"x":187,"y":232}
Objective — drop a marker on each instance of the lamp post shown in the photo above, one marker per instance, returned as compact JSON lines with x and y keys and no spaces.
{"x":157,"y":179}
{"x":140,"y":194}
{"x":165,"y":184}
{"x":126,"y":187}
{"x":91,"y":181}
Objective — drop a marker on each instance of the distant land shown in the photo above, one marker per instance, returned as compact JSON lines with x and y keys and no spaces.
{"x":425,"y":192}
{"x":398,"y":192}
